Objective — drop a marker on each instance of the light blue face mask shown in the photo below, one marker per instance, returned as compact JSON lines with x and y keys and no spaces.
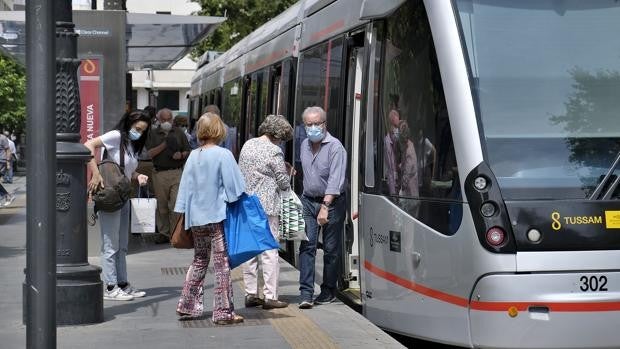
{"x":134,"y":135}
{"x":315,"y":133}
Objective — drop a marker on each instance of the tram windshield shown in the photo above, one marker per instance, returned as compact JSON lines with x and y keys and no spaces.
{"x":545,"y":76}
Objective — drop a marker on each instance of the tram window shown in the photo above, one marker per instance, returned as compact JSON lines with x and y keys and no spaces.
{"x":417,"y":151}
{"x":231,"y":114}
{"x":263,"y":96}
{"x":274,"y":103}
{"x":320,"y":83}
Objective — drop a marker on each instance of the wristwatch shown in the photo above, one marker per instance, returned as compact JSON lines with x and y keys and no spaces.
{"x":326,"y":204}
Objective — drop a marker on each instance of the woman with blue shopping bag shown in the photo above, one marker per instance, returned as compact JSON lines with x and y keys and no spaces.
{"x":210,"y":180}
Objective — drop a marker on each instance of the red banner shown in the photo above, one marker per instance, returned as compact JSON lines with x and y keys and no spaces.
{"x":90,"y":88}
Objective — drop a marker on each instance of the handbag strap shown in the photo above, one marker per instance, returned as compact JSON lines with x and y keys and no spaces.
{"x":122,"y":157}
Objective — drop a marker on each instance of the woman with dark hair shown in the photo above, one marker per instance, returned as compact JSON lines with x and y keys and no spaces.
{"x":128,"y":137}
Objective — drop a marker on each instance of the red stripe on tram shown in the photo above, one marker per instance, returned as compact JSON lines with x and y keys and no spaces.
{"x":491,"y":306}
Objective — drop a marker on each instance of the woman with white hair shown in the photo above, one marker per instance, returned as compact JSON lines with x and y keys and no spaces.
{"x":266,"y":174}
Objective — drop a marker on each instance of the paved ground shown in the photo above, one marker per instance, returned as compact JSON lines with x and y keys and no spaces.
{"x":151,"y":322}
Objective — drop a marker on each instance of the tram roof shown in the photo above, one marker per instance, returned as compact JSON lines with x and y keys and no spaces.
{"x":154,"y":41}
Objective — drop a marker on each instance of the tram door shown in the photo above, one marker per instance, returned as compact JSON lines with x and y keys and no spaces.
{"x":353,"y":98}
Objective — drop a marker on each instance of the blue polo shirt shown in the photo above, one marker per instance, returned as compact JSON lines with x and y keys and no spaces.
{"x":325,"y":171}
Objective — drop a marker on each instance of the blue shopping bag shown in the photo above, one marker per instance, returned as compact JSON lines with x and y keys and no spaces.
{"x":246,"y":230}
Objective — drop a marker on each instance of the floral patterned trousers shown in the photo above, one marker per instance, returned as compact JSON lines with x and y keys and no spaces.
{"x":207,"y":237}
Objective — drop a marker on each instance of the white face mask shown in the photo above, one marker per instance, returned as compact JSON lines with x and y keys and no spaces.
{"x":166,"y":126}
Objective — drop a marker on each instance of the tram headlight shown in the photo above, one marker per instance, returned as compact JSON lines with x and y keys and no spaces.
{"x":534,"y":235}
{"x":496,"y":236}
{"x":480,"y":183}
{"x":487,"y":209}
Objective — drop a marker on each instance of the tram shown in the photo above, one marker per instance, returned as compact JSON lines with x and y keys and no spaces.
{"x":483,"y":139}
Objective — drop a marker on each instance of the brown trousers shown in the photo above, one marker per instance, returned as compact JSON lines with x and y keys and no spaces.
{"x":166,"y":185}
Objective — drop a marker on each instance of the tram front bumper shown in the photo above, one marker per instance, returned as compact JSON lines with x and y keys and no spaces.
{"x":546,"y":310}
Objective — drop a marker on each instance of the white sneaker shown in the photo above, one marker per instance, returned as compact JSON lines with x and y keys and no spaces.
{"x":116,"y":294}
{"x":8,"y":200}
{"x":132,"y":291}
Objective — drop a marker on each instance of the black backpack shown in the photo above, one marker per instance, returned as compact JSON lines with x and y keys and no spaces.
{"x":116,"y":186}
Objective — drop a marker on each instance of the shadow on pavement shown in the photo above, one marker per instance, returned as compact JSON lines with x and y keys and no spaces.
{"x":151,"y":302}
{"x":8,"y":252}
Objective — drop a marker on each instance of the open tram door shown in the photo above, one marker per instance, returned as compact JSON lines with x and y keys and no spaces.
{"x":354,"y":54}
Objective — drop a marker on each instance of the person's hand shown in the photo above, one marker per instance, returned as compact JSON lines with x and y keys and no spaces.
{"x":354,"y":215}
{"x":96,"y":183}
{"x":142,"y":179}
{"x":322,"y":216}
{"x":290,"y":169}
{"x":177,"y":155}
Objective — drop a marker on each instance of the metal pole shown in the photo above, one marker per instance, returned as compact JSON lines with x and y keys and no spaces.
{"x":40,"y":283}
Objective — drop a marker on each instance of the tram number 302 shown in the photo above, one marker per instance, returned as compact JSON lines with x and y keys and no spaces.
{"x":593,"y":283}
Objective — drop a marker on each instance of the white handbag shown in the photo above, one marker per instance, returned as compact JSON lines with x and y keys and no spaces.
{"x":292,"y":225}
{"x":143,"y":212}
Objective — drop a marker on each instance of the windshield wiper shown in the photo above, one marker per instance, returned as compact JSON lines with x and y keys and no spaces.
{"x":596,"y":194}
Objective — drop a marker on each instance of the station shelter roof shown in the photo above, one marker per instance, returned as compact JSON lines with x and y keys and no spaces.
{"x":155,"y":41}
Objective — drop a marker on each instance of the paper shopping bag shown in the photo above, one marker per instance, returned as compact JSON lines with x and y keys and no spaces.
{"x":143,"y":215}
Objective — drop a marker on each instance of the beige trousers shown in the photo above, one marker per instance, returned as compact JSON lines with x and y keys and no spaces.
{"x":271,"y":268}
{"x":166,"y":185}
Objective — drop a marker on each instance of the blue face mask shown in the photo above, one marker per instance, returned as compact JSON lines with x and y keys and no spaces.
{"x":315,"y":133}
{"x":134,"y":135}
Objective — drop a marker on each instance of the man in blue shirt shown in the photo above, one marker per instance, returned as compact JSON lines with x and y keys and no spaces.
{"x":324,"y":164}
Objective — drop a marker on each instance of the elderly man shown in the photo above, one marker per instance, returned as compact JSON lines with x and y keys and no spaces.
{"x":324,"y":162}
{"x":168,"y":147}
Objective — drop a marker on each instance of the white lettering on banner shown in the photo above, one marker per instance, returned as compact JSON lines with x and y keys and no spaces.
{"x":90,"y":122}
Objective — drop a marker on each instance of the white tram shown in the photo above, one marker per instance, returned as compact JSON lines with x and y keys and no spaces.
{"x":482,"y":138}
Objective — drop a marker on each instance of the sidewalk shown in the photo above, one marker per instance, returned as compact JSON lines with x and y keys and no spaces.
{"x":151,"y":322}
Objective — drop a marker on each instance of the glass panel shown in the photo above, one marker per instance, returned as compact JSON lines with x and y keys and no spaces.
{"x":546,"y":77}
{"x":319,"y":85}
{"x":231,"y":115}
{"x":415,"y":148}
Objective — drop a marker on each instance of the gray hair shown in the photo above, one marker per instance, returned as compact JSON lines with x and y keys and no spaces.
{"x":314,"y":110}
{"x":164,"y":111}
{"x":276,"y":126}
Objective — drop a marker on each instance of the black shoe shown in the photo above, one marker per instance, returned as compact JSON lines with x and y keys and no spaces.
{"x":253,"y":301}
{"x":324,"y":298}
{"x":305,"y":304}
{"x":273,"y":304}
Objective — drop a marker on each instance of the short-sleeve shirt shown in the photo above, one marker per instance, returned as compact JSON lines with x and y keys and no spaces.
{"x":177,"y":142}
{"x":112,"y":143}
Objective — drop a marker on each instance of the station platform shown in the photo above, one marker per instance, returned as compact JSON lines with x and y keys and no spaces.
{"x":151,"y":322}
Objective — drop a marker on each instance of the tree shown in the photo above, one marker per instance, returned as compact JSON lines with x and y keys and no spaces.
{"x":12,"y":95}
{"x":591,"y":116}
{"x":243,"y":17}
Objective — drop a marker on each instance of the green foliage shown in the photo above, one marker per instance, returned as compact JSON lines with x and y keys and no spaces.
{"x":12,"y":95}
{"x":244,"y":16}
{"x":591,"y":112}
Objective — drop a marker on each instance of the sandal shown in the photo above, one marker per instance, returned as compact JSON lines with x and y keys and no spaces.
{"x":235,"y":320}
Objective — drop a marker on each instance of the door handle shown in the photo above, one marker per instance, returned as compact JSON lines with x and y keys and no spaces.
{"x":416,"y":257}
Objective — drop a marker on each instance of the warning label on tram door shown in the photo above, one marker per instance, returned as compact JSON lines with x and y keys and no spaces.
{"x":394,"y":241}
